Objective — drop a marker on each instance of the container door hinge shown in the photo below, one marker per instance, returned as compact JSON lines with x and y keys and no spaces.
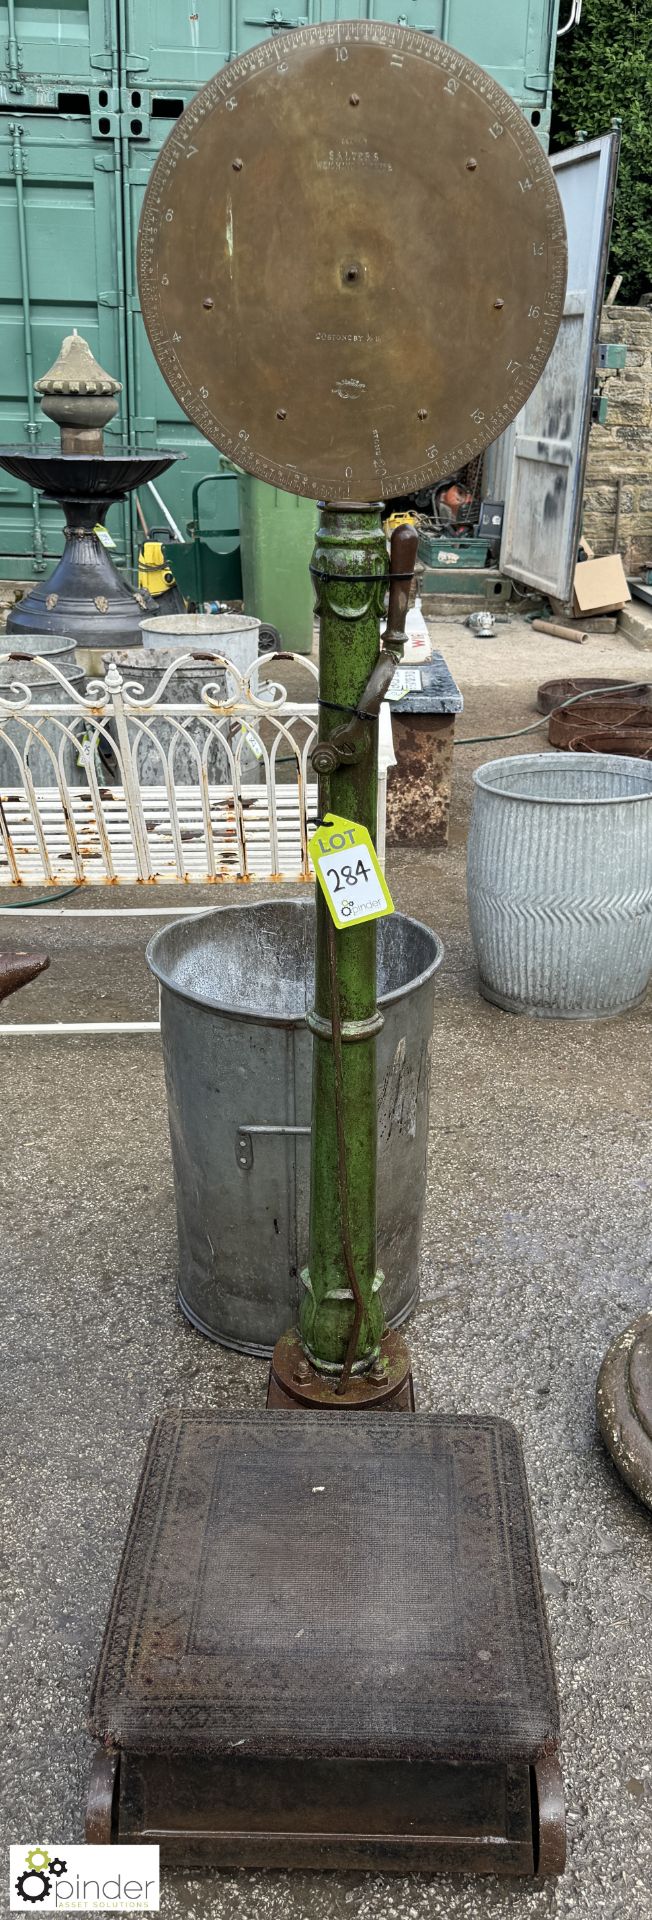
{"x":277,"y":22}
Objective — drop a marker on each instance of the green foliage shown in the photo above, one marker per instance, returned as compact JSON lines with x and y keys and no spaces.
{"x":603,"y":70}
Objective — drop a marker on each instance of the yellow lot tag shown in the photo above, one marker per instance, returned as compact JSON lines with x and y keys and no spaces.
{"x":348,"y":872}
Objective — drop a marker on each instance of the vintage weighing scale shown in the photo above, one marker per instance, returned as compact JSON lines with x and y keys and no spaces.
{"x":327,"y":1643}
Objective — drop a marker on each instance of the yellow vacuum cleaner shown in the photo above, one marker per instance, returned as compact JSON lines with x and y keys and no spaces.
{"x":156,"y":575}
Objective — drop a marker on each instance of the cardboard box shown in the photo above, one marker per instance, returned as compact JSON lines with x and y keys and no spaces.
{"x":600,"y":586}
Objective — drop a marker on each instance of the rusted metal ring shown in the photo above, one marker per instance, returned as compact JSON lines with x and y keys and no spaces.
{"x":352,"y":1030}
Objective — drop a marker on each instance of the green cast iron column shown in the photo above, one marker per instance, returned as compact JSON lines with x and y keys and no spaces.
{"x":350,"y":544}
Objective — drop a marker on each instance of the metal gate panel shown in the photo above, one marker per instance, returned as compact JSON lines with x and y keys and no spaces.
{"x":548,"y":442}
{"x":61,"y":249}
{"x":46,"y":48}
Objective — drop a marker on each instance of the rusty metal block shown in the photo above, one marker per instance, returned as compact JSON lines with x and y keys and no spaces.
{"x":419,"y":786}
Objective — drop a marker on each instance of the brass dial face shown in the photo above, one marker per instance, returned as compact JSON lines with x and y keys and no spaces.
{"x":352,"y":260}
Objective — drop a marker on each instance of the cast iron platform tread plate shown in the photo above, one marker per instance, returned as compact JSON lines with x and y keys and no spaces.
{"x":307,"y":1587}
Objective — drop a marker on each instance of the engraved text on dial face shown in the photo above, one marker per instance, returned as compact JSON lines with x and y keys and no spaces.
{"x":352,"y":260}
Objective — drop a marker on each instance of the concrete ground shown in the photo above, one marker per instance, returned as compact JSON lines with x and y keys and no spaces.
{"x":536,"y":1252}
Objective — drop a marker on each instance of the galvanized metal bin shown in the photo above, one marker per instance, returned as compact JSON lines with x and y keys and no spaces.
{"x":560,"y":883}
{"x":44,"y":742}
{"x":181,"y":737}
{"x":235,"y":635}
{"x":165,"y":640}
{"x":235,"y":985}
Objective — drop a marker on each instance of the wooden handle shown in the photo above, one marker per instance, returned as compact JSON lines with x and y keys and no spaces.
{"x":402,"y":556}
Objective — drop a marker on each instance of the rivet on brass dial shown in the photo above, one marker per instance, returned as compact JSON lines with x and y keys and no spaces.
{"x":208,"y":302}
{"x":499,"y":303}
{"x":471,"y":166}
{"x":281,"y":413}
{"x":422,"y":413}
{"x":237,"y":166}
{"x":354,"y":99}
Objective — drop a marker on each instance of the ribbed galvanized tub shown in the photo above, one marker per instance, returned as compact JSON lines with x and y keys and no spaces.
{"x":237,"y":1051}
{"x":560,"y":883}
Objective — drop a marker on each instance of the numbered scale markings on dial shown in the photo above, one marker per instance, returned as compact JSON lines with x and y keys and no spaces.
{"x":352,"y":260}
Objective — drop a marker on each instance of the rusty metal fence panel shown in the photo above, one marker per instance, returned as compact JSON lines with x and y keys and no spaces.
{"x":113,"y":823}
{"x":108,"y":825}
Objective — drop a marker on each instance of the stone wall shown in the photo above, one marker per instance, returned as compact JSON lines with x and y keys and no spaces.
{"x":623,"y":448}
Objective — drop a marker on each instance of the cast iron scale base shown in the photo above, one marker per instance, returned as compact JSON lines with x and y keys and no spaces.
{"x":322,"y":1654}
{"x":327,"y":1645}
{"x":388,"y":1387}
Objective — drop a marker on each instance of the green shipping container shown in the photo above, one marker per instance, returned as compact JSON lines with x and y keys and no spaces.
{"x":166,"y":46}
{"x":102,"y":81}
{"x":138,"y":45}
{"x":48,"y":50}
{"x":61,"y":251}
{"x":277,"y":536}
{"x":156,"y":419}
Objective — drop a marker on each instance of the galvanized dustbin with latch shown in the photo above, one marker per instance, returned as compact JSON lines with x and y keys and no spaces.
{"x":235,"y":985}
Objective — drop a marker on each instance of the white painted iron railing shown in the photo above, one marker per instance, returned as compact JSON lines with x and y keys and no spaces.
{"x":233,"y":801}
